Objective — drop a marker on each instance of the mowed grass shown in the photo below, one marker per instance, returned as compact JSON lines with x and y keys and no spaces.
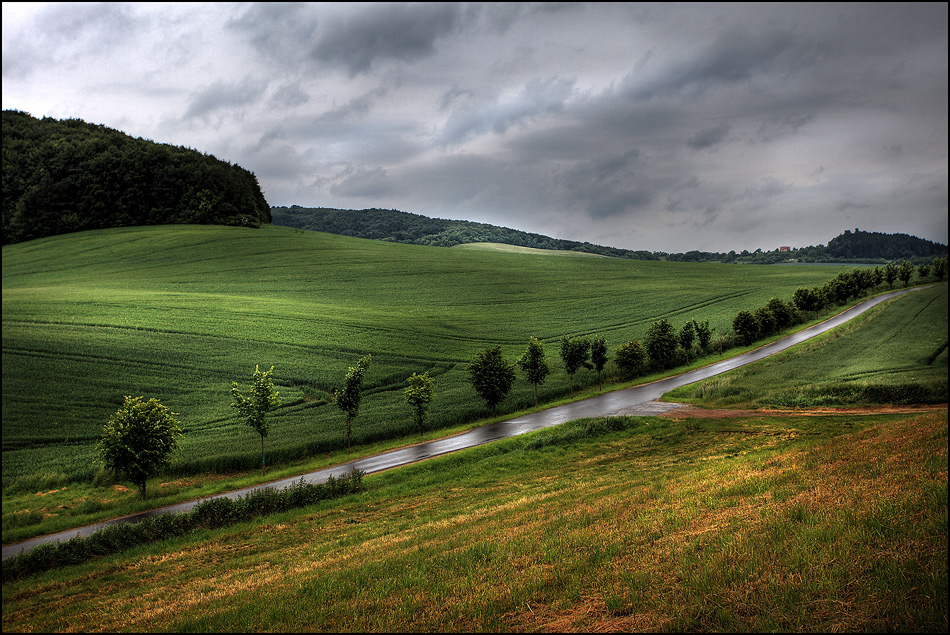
{"x":891,"y":354}
{"x":181,"y":312}
{"x":800,"y":523}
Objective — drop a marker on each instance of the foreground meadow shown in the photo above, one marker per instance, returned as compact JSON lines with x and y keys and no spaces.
{"x":179,"y":313}
{"x":796,"y":523}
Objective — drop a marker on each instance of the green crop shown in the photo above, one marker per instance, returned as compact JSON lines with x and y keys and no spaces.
{"x":180,"y":312}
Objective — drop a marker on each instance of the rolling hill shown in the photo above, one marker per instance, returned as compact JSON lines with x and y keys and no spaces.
{"x":396,"y":226}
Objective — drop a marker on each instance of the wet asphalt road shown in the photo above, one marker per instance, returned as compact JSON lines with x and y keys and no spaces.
{"x":638,"y":400}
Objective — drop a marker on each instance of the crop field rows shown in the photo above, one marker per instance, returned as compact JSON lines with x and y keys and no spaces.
{"x":178,"y":313}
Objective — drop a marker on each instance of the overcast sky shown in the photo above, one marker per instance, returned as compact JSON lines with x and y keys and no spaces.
{"x":661,"y":127}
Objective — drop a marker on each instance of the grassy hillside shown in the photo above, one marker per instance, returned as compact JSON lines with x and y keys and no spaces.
{"x":816,"y":524}
{"x":750,"y":523}
{"x":180,"y":312}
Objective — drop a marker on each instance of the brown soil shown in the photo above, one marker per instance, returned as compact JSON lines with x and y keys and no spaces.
{"x":695,"y":412}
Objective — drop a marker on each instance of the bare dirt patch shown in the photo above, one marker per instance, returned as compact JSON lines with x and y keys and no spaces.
{"x":688,"y":411}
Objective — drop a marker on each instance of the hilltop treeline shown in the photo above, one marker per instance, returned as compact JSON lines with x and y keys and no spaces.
{"x":67,"y":175}
{"x":404,"y":227}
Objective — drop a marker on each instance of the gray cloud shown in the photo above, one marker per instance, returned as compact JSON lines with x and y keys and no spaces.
{"x":223,"y":95}
{"x":385,"y":32}
{"x":647,"y":126}
{"x":709,"y":137}
{"x":538,"y":97}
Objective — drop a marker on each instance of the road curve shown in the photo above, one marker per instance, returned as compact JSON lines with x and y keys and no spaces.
{"x":638,"y":400}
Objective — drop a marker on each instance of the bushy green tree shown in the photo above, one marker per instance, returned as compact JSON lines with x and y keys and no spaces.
{"x":704,"y":335}
{"x":890,"y":274}
{"x":255,"y":406}
{"x":939,"y":268}
{"x":349,"y":397}
{"x":783,"y":312}
{"x":661,"y":343}
{"x":575,"y":353}
{"x":686,"y":337}
{"x":631,"y":358}
{"x":805,"y":299}
{"x":746,"y":328}
{"x":766,"y":321}
{"x":598,"y":356}
{"x":905,"y":271}
{"x":534,"y":364}
{"x":492,"y":376}
{"x":139,"y":440}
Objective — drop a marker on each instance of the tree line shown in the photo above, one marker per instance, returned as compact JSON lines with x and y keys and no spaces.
{"x":62,"y":176}
{"x":140,"y":439}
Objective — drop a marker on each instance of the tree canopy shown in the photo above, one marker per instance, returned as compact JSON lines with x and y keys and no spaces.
{"x":492,"y":376}
{"x":62,"y":176}
{"x":138,"y":440}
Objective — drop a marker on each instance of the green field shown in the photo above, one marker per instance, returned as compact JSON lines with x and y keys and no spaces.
{"x":899,"y":357}
{"x":755,"y":523}
{"x":180,"y":312}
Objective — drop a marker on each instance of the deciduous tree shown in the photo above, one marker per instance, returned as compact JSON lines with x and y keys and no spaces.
{"x":575,"y":352}
{"x":418,"y":394}
{"x":704,"y":335}
{"x":254,"y":407}
{"x":534,"y":364}
{"x":349,"y":397}
{"x":138,"y":440}
{"x":905,"y":271}
{"x":746,"y":328}
{"x":631,"y":358}
{"x":686,"y":337}
{"x":492,"y":376}
{"x":598,"y":356}
{"x":661,"y":344}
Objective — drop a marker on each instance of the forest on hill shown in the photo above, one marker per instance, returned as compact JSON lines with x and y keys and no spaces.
{"x":404,"y":227}
{"x":61,"y":176}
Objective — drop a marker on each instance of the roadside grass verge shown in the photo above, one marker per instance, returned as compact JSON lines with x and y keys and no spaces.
{"x":815,"y":523}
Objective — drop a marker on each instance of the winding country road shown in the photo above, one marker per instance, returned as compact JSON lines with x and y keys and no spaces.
{"x":638,"y":400}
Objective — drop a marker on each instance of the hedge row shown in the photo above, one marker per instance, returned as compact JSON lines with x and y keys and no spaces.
{"x":210,"y":514}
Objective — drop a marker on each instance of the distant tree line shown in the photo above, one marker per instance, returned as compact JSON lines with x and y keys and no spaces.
{"x":61,"y":176}
{"x":403,"y":227}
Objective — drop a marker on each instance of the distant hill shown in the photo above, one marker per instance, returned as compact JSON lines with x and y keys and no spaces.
{"x":404,"y":227}
{"x":67,"y":175}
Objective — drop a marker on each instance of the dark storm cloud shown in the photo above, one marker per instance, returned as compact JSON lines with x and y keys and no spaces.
{"x":733,"y":58}
{"x":391,"y":31}
{"x":708,"y":138}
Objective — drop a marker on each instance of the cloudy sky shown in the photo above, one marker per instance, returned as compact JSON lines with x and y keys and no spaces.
{"x":662,"y":127}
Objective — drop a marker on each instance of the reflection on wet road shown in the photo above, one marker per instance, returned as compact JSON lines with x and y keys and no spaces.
{"x":638,"y":400}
